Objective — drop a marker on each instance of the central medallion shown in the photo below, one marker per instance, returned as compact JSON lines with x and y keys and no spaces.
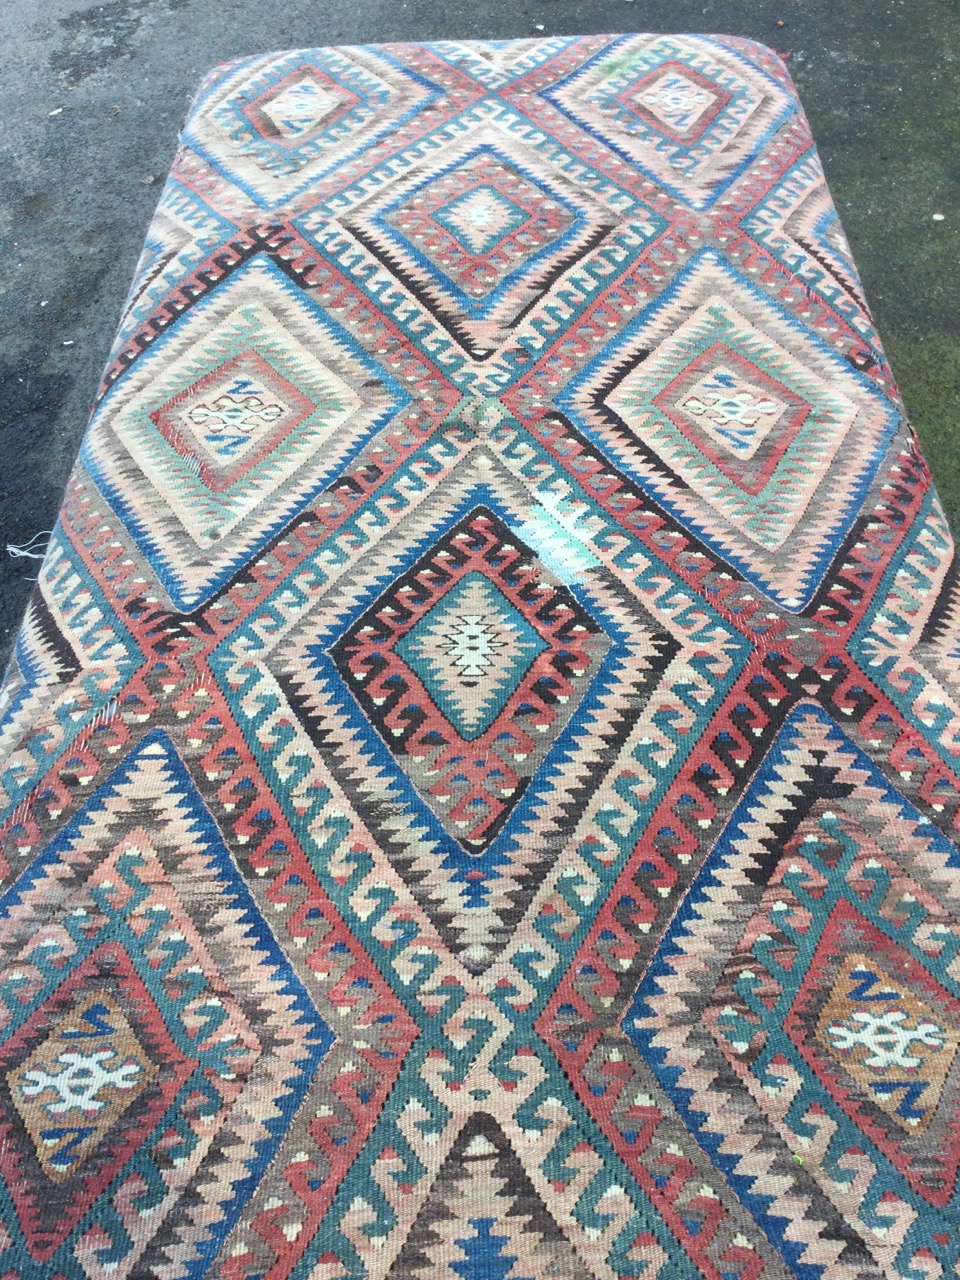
{"x":300,"y":107}
{"x":469,"y":667}
{"x":672,"y":100}
{"x":471,"y":651}
{"x":78,"y":1083}
{"x":889,"y":1040}
{"x":236,"y":415}
{"x":481,"y":218}
{"x":480,"y":223}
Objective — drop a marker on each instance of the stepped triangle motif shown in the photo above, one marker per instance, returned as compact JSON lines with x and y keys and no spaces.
{"x":484,"y":1220}
{"x":479,"y":781}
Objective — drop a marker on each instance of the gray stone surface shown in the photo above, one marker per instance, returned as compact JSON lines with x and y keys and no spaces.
{"x":92,"y":97}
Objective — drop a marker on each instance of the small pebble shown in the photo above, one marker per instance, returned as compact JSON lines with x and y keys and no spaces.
{"x":148,"y":179}
{"x":69,"y":343}
{"x":55,"y":112}
{"x":538,"y":26}
{"x":938,"y":217}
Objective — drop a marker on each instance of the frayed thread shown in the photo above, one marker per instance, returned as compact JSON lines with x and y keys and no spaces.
{"x":33,"y":549}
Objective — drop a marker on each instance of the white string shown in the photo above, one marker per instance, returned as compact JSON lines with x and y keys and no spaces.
{"x":30,"y":550}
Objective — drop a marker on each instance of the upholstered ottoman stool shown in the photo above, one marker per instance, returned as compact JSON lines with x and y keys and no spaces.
{"x":479,"y":773}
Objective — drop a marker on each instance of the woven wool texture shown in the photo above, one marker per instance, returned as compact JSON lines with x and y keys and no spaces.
{"x":479,"y":768}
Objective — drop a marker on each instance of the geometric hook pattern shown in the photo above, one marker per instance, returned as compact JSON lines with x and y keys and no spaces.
{"x":479,"y":771}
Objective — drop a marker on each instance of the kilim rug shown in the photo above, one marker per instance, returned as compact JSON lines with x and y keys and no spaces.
{"x":481,"y":760}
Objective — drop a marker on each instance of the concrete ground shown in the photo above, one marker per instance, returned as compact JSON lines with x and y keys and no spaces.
{"x":93,"y":94}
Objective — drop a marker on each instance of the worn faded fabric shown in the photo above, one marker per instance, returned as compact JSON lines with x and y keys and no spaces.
{"x":479,"y":768}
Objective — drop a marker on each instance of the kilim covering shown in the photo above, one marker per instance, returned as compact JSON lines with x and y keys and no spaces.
{"x":480,"y":766}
